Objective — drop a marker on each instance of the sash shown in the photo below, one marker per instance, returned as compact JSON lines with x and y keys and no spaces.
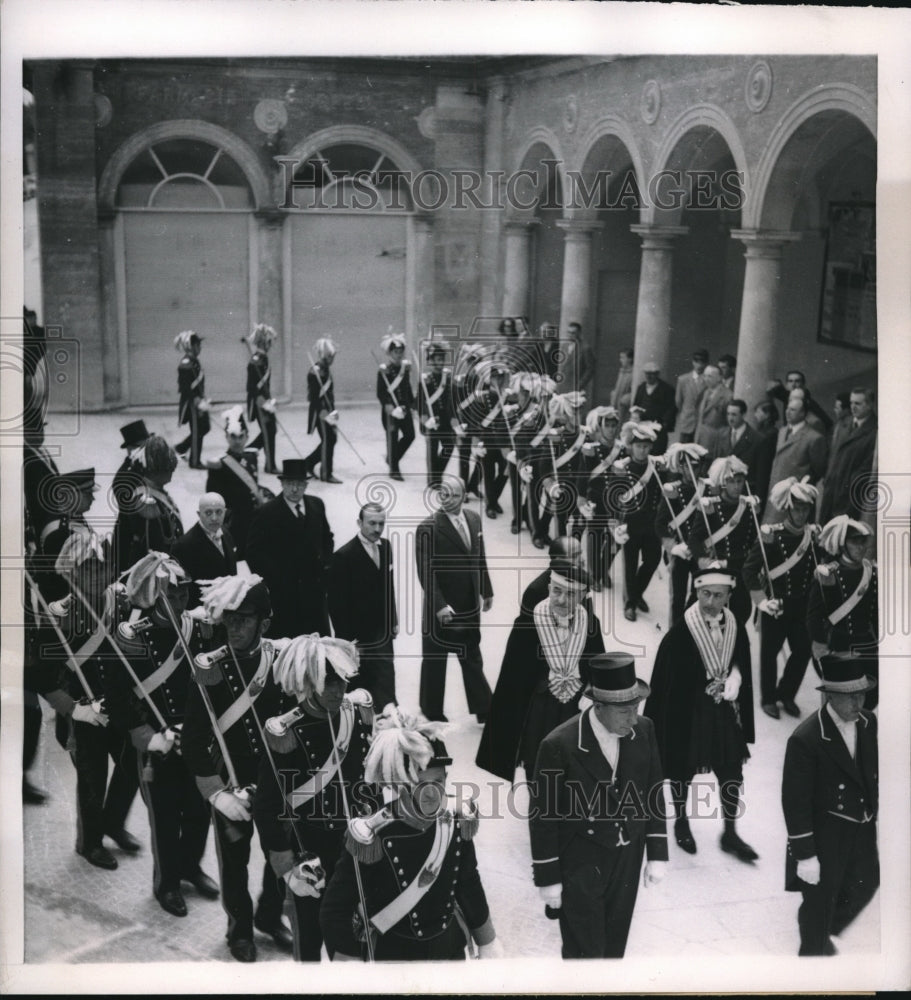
{"x":397,"y":381}
{"x":727,"y":528}
{"x":198,"y":378}
{"x":230,"y":462}
{"x":539,"y":437}
{"x":76,"y":657}
{"x":406,"y":901}
{"x":572,"y":450}
{"x":716,"y":664}
{"x":265,"y":377}
{"x":794,"y":558}
{"x":634,"y":491}
{"x":433,"y":397}
{"x":159,"y":676}
{"x":843,"y":610}
{"x":605,"y":463}
{"x":678,"y":519}
{"x":166,"y":500}
{"x":314,"y":785}
{"x":324,"y":387}
{"x":489,"y":419}
{"x":253,"y":690}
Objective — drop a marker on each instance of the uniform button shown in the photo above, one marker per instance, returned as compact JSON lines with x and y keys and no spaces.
{"x":389,"y":843}
{"x":840,"y":787}
{"x":414,"y":915}
{"x":589,"y":831}
{"x":401,"y":871}
{"x":420,"y":933}
{"x":457,"y":853}
{"x":395,"y":861}
{"x":840,"y":806}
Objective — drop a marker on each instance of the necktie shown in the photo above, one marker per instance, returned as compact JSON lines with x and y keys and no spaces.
{"x":375,"y":554}
{"x":463,"y":531}
{"x":787,"y":433}
{"x":298,"y":512}
{"x":715,"y":630}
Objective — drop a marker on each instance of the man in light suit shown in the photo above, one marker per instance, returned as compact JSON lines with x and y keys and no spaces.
{"x":829,"y":795}
{"x":452,"y":568}
{"x":290,"y":545}
{"x":738,"y":438}
{"x":207,"y":550}
{"x":800,"y":451}
{"x":362,"y":602}
{"x":690,"y":388}
{"x":712,"y":410}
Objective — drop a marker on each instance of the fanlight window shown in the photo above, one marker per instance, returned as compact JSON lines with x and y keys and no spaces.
{"x":353,"y":178}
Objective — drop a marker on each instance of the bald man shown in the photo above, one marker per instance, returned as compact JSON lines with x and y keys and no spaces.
{"x":207,"y":550}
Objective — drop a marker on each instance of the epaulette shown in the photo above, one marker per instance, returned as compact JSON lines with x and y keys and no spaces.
{"x":361,"y":838}
{"x":382,"y":366}
{"x":363,"y":701}
{"x":468,"y":820}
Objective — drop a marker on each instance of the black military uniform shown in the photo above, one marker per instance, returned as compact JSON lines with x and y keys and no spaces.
{"x":558,"y":464}
{"x":321,"y":394}
{"x":259,"y":391}
{"x":594,"y":475}
{"x":673,"y":522}
{"x":526,"y":425}
{"x":312,"y":794}
{"x":191,"y":387}
{"x":634,"y":490}
{"x":463,"y":403}
{"x":435,"y":402}
{"x":144,"y":527}
{"x":490,"y":425}
{"x":129,"y":475}
{"x":393,"y":389}
{"x":235,"y":478}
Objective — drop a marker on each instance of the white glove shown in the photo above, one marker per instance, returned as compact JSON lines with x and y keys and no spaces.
{"x":461,"y":429}
{"x":589,"y":448}
{"x":307,"y":878}
{"x":819,"y":649}
{"x":161,"y":743}
{"x":269,"y":406}
{"x":732,"y":685}
{"x":432,"y":424}
{"x":86,"y":713}
{"x":670,"y":490}
{"x":511,"y":457}
{"x":202,"y":405}
{"x":682,"y":551}
{"x":230,"y":804}
{"x":621,"y":534}
{"x":555,"y":432}
{"x":493,"y":950}
{"x":331,"y":418}
{"x":808,"y":870}
{"x":526,"y":473}
{"x":510,"y":408}
{"x":587,"y":510}
{"x":654,"y":873}
{"x":752,"y":500}
{"x":770,"y":606}
{"x":552,"y":895}
{"x":398,"y":412}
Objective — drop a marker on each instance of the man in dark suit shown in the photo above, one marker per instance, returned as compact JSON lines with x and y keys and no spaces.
{"x":656,"y":398}
{"x":738,"y":438}
{"x":362,"y":602}
{"x":829,"y":794}
{"x":800,"y":451}
{"x":586,"y":861}
{"x":207,"y":550}
{"x":290,"y":546}
{"x":851,"y":460}
{"x":452,"y":568}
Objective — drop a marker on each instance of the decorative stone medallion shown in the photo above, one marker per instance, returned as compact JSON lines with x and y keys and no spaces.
{"x":758,"y":88}
{"x":104,"y":111}
{"x":571,"y":113}
{"x":270,"y":116}
{"x":650,"y":105}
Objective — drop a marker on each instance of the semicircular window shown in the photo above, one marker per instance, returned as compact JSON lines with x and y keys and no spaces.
{"x":350,"y":177}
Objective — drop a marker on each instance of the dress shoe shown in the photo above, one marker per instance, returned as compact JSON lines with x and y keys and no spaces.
{"x":482,"y":718}
{"x":683,"y":836}
{"x":642,"y":606}
{"x":497,"y":508}
{"x":788,"y":705}
{"x":125,"y":841}
{"x":196,"y":465}
{"x":539,"y":543}
{"x":629,"y":613}
{"x":491,"y":513}
{"x":205,"y":886}
{"x":272,"y":470}
{"x":279,"y":933}
{"x":99,"y":856}
{"x":607,"y":583}
{"x":172,"y":902}
{"x":330,"y":479}
{"x":771,"y":710}
{"x":397,"y":476}
{"x":32,"y":795}
{"x":514,"y":528}
{"x":243,"y":950}
{"x":732,"y":844}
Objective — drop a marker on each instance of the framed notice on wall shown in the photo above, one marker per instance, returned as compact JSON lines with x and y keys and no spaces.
{"x":848,"y":313}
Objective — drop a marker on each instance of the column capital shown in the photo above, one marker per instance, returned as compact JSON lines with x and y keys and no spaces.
{"x":767,"y":243}
{"x":658,"y":237}
{"x":579,"y":229}
{"x":520,"y":225}
{"x":270,"y":216}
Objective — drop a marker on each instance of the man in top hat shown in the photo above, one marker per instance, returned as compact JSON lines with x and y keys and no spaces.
{"x":207,"y":550}
{"x":702,"y":707}
{"x":193,"y":407}
{"x":711,"y":413}
{"x":435,"y":411}
{"x":290,"y":546}
{"x":690,"y":388}
{"x":545,"y":666}
{"x":260,"y":402}
{"x":829,"y":794}
{"x":780,"y":594}
{"x":412,"y":865}
{"x":322,"y":416}
{"x":396,"y":397}
{"x":135,"y":436}
{"x":586,"y":860}
{"x":312,"y":778}
{"x":656,"y":398}
{"x":235,"y":477}
{"x":234,"y":694}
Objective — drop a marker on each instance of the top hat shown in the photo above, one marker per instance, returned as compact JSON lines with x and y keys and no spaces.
{"x":134,"y":433}
{"x":614,"y":680}
{"x":294,"y":468}
{"x":844,"y":674}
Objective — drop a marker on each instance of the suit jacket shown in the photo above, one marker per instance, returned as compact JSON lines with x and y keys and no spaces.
{"x":658,"y":406}
{"x":852,"y":458}
{"x":687,"y":396}
{"x":572,"y":771}
{"x":293,"y":559}
{"x":712,"y":413}
{"x":202,"y":560}
{"x":362,"y":597}
{"x":802,"y":454}
{"x":747,"y":449}
{"x":450,"y":573}
{"x":823,"y":787}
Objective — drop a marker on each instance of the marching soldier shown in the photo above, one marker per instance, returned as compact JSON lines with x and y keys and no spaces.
{"x":323,"y":415}
{"x":465,"y":392}
{"x":842,"y":612}
{"x":193,"y":407}
{"x":396,"y":397}
{"x":235,"y":477}
{"x":675,"y":517}
{"x":526,"y":418}
{"x":260,"y":402}
{"x":494,"y":437}
{"x":307,"y":781}
{"x":222,"y":743}
{"x":147,"y":697}
{"x":559,"y":459}
{"x":135,"y":437}
{"x":600,"y":452}
{"x":72,"y":495}
{"x":435,"y":413}
{"x":74,"y":668}
{"x":408,"y":888}
{"x":149,"y":519}
{"x":723,"y":534}
{"x":778,"y":576}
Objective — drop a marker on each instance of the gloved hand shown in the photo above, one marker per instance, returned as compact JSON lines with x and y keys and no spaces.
{"x":511,"y":457}
{"x":160,"y":743}
{"x":332,"y":418}
{"x":819,"y":649}
{"x":589,"y":448}
{"x":432,"y":423}
{"x":230,"y":804}
{"x":654,"y":873}
{"x":87,"y":714}
{"x":682,"y":551}
{"x":621,"y":534}
{"x":552,"y":895}
{"x":752,"y":500}
{"x":307,"y":877}
{"x":732,"y":685}
{"x":269,"y":406}
{"x":671,"y":490}
{"x":707,"y":562}
{"x":808,"y":870}
{"x":587,"y":510}
{"x":461,"y":429}
{"x":770,"y":606}
{"x":510,"y":408}
{"x":398,"y":412}
{"x":526,"y":473}
{"x":555,"y":432}
{"x":493,"y":950}
{"x":202,"y":405}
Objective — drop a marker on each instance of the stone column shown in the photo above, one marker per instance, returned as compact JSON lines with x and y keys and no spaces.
{"x":516,"y":268}
{"x":653,"y":307}
{"x":268,"y":306}
{"x":575,"y":300}
{"x":419,"y":278}
{"x":756,"y":360}
{"x":108,"y":319}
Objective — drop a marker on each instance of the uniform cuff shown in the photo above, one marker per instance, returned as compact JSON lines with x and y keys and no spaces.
{"x":209,"y":785}
{"x":61,"y":702}
{"x":546,"y":872}
{"x":656,"y":847}
{"x":141,"y":736}
{"x":281,"y":861}
{"x":484,"y":934}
